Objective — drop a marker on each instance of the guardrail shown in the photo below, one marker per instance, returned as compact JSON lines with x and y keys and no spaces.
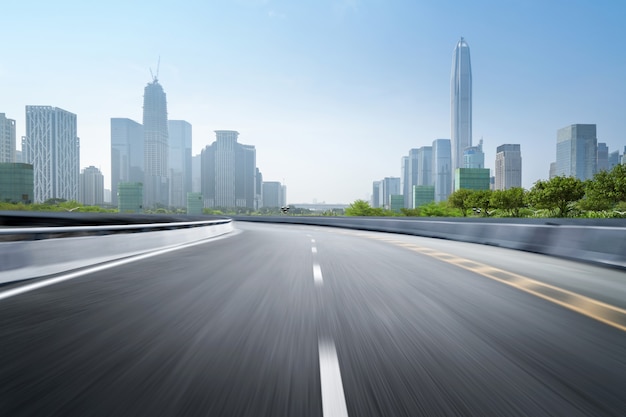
{"x":30,"y":252}
{"x":600,"y":241}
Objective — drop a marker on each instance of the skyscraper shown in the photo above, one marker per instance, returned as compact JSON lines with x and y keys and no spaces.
{"x":442,"y":169}
{"x":91,"y":186}
{"x":424,"y":167}
{"x":156,"y":159}
{"x":602,"y":163}
{"x":508,"y":167}
{"x":228,"y":172}
{"x":576,"y":151}
{"x":460,"y":102}
{"x":127,"y":156}
{"x":7,"y":139}
{"x":473,"y":156}
{"x":53,"y":148}
{"x":180,"y":161}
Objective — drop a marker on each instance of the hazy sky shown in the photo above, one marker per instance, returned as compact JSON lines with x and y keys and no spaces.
{"x":331,"y":92}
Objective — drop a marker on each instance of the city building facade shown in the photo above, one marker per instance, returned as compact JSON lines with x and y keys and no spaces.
{"x":91,"y":186}
{"x":442,"y":169}
{"x":130,"y":197}
{"x":228,"y":172}
{"x":127,"y":153}
{"x":16,"y":183}
{"x":180,"y":164}
{"x":472,"y":179}
{"x":7,"y":139}
{"x":461,"y":102}
{"x":576,"y":151}
{"x":508,"y":167}
{"x":156,"y":149}
{"x":52,"y":146}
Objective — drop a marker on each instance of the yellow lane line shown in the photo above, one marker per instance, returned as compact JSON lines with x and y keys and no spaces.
{"x":597,"y":310}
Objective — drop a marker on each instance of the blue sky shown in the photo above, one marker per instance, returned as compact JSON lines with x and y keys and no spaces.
{"x":331,"y":92}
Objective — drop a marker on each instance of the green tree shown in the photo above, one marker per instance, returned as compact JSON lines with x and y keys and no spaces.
{"x":510,"y":201}
{"x":606,"y":189}
{"x":461,"y":199}
{"x":557,"y":194}
{"x":360,"y":208}
{"x":481,"y":200}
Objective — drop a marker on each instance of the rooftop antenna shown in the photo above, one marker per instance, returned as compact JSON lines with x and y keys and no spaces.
{"x":156,"y":78}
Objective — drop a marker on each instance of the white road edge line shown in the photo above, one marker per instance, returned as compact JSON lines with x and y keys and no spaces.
{"x":317,"y":274}
{"x":66,"y":277}
{"x":333,"y":398}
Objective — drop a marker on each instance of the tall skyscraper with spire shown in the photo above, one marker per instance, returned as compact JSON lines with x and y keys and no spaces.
{"x":461,"y":102}
{"x":156,"y":154}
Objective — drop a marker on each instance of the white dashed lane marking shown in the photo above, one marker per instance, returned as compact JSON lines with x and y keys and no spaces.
{"x":333,"y":398}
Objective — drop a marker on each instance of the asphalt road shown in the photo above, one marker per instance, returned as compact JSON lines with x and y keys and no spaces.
{"x":280,"y":320}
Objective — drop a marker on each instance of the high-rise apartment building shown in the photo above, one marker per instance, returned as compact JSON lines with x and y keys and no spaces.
{"x":91,"y":186}
{"x":461,"y":102}
{"x":180,"y":161}
{"x":602,"y":163}
{"x":508,"y":167}
{"x":156,"y":150}
{"x":52,"y":146}
{"x":228,"y":172}
{"x":576,"y":151}
{"x":127,"y":156}
{"x":442,"y":169}
{"x":7,"y":139}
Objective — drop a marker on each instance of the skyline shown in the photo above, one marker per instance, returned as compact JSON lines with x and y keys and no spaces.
{"x":330,"y":104}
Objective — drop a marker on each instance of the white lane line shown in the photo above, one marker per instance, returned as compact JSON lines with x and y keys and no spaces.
{"x":333,"y":398}
{"x":314,"y":249}
{"x":312,"y":240}
{"x":317,"y":274}
{"x":66,"y":277}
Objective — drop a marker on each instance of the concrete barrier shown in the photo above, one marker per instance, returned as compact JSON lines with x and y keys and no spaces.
{"x":600,"y":241}
{"x":25,"y":259}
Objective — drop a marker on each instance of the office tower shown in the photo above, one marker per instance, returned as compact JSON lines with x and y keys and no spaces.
{"x":508,"y":167}
{"x":130,"y":197}
{"x":376,"y":187}
{"x":442,"y":169}
{"x":272,"y":194}
{"x":423,"y":194}
{"x":614,"y":159}
{"x":410,"y":174}
{"x":576,"y":151}
{"x":53,"y":148}
{"x":259,"y":189}
{"x":472,"y":179}
{"x":404,"y":180}
{"x":196,"y":173}
{"x":461,"y":102}
{"x":180,"y":161}
{"x":156,"y":159}
{"x":424,"y":167}
{"x":127,"y":156}
{"x":473,"y":156}
{"x":91,"y":186}
{"x":602,"y":163}
{"x":228,"y":172}
{"x":16,"y":182}
{"x":7,"y":139}
{"x":552,"y":173}
{"x":389,"y":186}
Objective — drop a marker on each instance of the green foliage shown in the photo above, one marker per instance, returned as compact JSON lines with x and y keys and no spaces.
{"x":481,"y":202}
{"x":510,"y":201}
{"x":607,"y":189}
{"x":462,"y":200}
{"x":557,"y":195}
{"x":363,"y":208}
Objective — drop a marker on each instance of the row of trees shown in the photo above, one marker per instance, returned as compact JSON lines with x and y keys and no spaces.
{"x":602,"y":196}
